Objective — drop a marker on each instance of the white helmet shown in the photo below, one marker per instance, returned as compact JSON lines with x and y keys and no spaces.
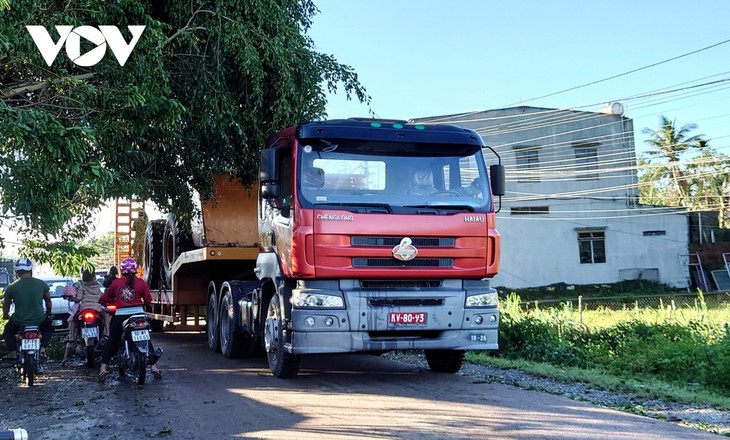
{"x":23,"y":264}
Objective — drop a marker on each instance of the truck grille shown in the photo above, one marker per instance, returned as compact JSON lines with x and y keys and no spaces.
{"x":399,"y":284}
{"x":405,"y":302}
{"x":392,"y":262}
{"x":426,"y":242}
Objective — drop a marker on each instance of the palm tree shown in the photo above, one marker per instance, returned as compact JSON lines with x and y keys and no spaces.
{"x":669,"y":143}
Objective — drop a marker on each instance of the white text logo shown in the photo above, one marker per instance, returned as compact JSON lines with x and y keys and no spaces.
{"x":72,"y":38}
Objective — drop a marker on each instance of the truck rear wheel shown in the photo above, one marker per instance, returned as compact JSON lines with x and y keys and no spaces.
{"x":230,"y":340}
{"x":281,"y":363}
{"x":153,"y":253}
{"x":212,"y":329}
{"x":445,"y":361}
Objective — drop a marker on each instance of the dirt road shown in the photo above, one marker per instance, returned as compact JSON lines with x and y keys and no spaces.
{"x":206,"y":396}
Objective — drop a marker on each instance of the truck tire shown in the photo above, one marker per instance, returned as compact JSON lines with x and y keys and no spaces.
{"x":231,"y":341}
{"x":153,"y":253}
{"x":281,"y":363}
{"x":175,"y":240}
{"x":445,"y":361}
{"x":212,"y":329}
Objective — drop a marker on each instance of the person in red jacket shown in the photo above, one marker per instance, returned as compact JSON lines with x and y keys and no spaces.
{"x":129,"y":294}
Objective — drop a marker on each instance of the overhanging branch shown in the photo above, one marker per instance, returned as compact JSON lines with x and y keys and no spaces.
{"x":34,"y":86}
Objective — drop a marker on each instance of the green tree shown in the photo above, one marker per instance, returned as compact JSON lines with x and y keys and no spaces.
{"x":668,"y":143}
{"x":709,"y":177}
{"x":205,"y":84}
{"x":104,"y":247}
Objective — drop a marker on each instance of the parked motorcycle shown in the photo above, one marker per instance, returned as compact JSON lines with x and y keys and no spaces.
{"x":28,"y":363}
{"x":135,"y":351}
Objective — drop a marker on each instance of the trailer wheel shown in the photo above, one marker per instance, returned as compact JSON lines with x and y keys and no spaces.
{"x":445,"y":361}
{"x":281,"y":363}
{"x":153,"y":253}
{"x":212,"y":329}
{"x":175,"y":240}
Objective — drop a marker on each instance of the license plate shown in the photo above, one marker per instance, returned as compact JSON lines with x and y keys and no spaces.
{"x":57,"y":322}
{"x":140,"y":335}
{"x":30,"y":344}
{"x":479,"y":338}
{"x":90,"y":332}
{"x":408,"y":318}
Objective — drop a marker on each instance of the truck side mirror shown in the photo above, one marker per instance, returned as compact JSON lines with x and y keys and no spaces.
{"x":270,"y":190}
{"x":497,"y":180}
{"x":269,"y":166}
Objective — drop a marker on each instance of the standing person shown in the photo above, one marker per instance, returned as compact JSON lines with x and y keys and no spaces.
{"x":108,"y":279}
{"x":110,"y":276}
{"x":129,"y":293}
{"x":87,"y":297}
{"x":28,"y":294}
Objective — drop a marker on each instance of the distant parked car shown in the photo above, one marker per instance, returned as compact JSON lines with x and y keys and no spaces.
{"x":61,"y":307}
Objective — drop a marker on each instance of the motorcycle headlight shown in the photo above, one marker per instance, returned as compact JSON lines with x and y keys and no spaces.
{"x":316,"y":300}
{"x":482,"y":299}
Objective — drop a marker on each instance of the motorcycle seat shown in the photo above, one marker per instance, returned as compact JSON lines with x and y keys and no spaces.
{"x":133,"y":318}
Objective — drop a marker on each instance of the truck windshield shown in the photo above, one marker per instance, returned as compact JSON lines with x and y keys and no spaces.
{"x":392,"y":177}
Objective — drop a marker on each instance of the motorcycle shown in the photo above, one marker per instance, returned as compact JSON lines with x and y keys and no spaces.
{"x":28,"y":363}
{"x":135,"y":351}
{"x":88,"y":340}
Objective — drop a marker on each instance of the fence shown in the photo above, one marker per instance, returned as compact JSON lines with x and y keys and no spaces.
{"x":621,"y":303}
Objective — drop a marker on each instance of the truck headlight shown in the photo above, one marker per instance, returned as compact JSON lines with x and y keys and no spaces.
{"x":482,"y":300}
{"x":316,"y":300}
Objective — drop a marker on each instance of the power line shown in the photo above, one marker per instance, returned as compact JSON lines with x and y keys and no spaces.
{"x":622,"y":74}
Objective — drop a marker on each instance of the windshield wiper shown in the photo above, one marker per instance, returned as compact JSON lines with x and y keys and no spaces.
{"x":443,"y":207}
{"x":369,"y":207}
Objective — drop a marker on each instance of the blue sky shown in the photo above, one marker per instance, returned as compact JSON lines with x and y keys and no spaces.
{"x":427,"y":57}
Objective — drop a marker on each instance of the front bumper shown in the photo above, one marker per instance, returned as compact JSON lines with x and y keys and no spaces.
{"x":365,"y":324}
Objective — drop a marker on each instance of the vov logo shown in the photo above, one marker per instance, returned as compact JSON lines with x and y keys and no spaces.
{"x":101,"y":37}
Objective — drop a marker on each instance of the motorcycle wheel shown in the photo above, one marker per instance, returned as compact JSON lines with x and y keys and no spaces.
{"x":29,"y":370}
{"x":139,"y":370}
{"x":90,"y":356}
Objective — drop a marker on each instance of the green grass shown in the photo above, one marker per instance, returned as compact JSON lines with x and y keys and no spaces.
{"x":673,"y":351}
{"x":641,"y":386}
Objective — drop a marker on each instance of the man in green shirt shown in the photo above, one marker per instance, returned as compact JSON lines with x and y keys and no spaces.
{"x":28,"y":294}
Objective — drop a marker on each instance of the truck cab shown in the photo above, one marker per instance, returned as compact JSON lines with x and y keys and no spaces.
{"x":377,"y":236}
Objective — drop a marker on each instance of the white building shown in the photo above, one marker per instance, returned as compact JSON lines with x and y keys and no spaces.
{"x":571,"y":212}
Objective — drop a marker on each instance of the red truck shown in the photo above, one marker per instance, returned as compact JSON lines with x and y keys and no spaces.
{"x":361,"y":236}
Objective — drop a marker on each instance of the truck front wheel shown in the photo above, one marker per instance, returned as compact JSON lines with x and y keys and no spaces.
{"x":445,"y":361}
{"x":281,"y":363}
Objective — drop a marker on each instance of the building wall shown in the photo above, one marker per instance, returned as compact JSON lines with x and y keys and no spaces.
{"x":571,"y":174}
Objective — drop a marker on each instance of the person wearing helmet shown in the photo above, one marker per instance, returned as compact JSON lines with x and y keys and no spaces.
{"x":28,"y":295}
{"x":129,"y":294}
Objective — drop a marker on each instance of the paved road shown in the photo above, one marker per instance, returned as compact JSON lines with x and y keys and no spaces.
{"x":206,"y":396}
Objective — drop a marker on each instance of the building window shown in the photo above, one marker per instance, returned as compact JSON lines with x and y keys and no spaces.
{"x":530,"y":210}
{"x":586,"y":164}
{"x":654,"y":233}
{"x":527,"y":165}
{"x":592,"y":247}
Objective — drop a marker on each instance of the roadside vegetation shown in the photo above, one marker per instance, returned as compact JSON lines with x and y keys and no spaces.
{"x":677,"y":351}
